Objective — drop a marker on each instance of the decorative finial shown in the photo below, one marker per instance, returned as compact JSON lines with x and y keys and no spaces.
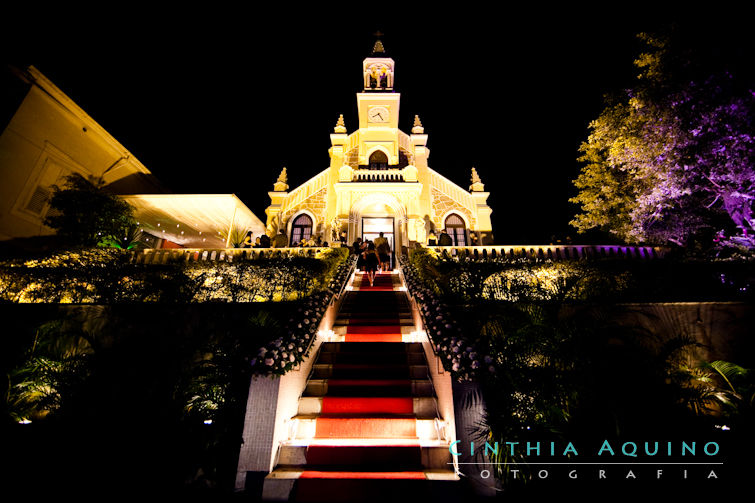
{"x":281,"y":185}
{"x":477,"y":185}
{"x":417,"y":129}
{"x":378,"y":47}
{"x":340,"y":125}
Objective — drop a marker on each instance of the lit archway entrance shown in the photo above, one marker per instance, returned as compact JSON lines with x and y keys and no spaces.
{"x":375,"y":213}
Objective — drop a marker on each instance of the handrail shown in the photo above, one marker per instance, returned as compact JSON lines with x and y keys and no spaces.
{"x":353,"y":260}
{"x":432,"y":347}
{"x":336,"y":298}
{"x":421,"y":315}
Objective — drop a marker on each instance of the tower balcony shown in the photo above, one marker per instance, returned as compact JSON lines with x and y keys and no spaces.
{"x":378,"y":175}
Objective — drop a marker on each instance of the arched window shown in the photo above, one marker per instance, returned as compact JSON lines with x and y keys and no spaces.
{"x":301,"y":229}
{"x":378,"y":160}
{"x":456,"y":229}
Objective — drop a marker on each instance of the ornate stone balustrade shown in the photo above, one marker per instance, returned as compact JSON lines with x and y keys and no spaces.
{"x":163,"y":256}
{"x":305,"y":190}
{"x":373,"y":175}
{"x":552,"y":252}
{"x":452,"y":190}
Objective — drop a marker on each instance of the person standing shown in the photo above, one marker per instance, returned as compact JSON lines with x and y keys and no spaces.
{"x":264,"y":241}
{"x":372,"y":262}
{"x":444,"y":239}
{"x":356,"y":249}
{"x":281,"y":240}
{"x":383,"y":248}
{"x":431,"y":239}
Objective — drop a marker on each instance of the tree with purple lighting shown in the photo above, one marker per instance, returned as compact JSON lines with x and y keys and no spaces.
{"x":672,"y":161}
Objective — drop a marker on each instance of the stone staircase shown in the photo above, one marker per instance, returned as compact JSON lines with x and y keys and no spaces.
{"x":367,"y":427}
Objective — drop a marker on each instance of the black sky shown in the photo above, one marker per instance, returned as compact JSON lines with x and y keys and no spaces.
{"x":220,"y":102}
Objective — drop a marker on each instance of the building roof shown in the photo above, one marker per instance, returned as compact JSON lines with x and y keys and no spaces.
{"x":193,"y":220}
{"x":100,"y":135}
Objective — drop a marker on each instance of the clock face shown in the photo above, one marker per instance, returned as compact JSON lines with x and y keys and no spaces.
{"x":378,"y":114}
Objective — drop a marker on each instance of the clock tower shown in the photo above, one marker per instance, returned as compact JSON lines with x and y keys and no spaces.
{"x":378,"y":107}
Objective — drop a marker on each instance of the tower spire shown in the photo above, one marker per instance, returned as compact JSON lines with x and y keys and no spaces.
{"x":477,"y":185}
{"x":378,"y":68}
{"x":378,"y":50}
{"x":281,"y":185}
{"x":340,"y":125}
{"x":417,"y":128}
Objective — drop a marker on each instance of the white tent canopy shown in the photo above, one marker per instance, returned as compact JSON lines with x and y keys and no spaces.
{"x":194,"y":220}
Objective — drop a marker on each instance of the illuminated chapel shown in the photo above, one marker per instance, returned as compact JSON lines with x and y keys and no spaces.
{"x":379,"y":180}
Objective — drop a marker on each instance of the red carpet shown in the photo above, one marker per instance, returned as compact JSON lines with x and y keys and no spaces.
{"x":374,"y":329}
{"x":376,"y":405}
{"x":368,"y":382}
{"x":382,"y":283}
{"x":365,"y":445}
{"x":365,"y":427}
{"x":373,"y":338}
{"x":312,"y":474}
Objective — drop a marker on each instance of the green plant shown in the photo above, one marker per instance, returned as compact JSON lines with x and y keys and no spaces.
{"x":234,"y":236}
{"x":84,"y":215}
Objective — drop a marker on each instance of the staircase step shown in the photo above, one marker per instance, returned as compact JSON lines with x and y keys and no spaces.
{"x":310,"y":426}
{"x":360,"y":457}
{"x":367,"y":426}
{"x":378,"y":458}
{"x":372,"y":347}
{"x":354,"y":486}
{"x":369,"y":387}
{"x":421,"y":406}
{"x":332,"y":358}
{"x":352,"y":322}
{"x":356,"y":371}
{"x":427,"y":474}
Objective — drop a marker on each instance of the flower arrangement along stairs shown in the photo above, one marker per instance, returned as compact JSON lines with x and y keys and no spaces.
{"x":367,"y":427}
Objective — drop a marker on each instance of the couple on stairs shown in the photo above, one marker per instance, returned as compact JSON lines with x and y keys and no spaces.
{"x":376,"y":257}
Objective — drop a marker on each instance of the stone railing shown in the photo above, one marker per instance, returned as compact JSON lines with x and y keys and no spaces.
{"x":374,"y":175}
{"x":306,"y":190}
{"x":163,"y":256}
{"x":452,"y":190}
{"x":552,"y":252}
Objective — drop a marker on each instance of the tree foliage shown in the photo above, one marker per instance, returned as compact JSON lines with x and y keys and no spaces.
{"x":672,"y":160}
{"x":84,"y":215}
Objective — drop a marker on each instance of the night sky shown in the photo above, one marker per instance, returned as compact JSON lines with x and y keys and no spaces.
{"x":220,"y":102}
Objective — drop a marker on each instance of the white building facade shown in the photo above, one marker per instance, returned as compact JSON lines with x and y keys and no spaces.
{"x":379,"y":180}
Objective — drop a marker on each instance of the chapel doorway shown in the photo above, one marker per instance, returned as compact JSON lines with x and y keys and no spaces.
{"x":373,"y":226}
